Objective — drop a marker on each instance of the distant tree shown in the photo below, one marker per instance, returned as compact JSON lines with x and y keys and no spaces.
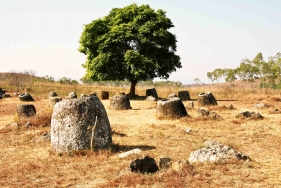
{"x":197,"y":81}
{"x":20,"y":79}
{"x":68,"y":81}
{"x":230,"y":75}
{"x":211,"y":76}
{"x":132,"y":43}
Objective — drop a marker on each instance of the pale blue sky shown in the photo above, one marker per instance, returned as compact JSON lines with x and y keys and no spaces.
{"x":42,"y":35}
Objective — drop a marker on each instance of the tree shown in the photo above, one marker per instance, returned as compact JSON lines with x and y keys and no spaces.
{"x":130,"y":43}
{"x":197,"y":81}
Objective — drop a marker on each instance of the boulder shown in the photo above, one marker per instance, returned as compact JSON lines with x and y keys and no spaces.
{"x":52,"y":94}
{"x":151,"y":98}
{"x":205,"y":99}
{"x":80,"y":124}
{"x":120,"y":102}
{"x":165,"y":162}
{"x":25,"y":97}
{"x":184,"y":95}
{"x":26,"y":110}
{"x":103,"y":95}
{"x":251,"y":115}
{"x":214,"y":152}
{"x":145,"y":165}
{"x":6,"y":96}
{"x":171,"y":108}
{"x":190,"y":104}
{"x":151,"y":92}
{"x":53,"y":101}
{"x":203,"y":112}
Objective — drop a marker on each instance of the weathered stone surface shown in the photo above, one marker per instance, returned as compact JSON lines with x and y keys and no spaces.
{"x":251,"y":115}
{"x":73,"y":122}
{"x":6,"y":96}
{"x":151,"y":99}
{"x":25,"y":97}
{"x":261,"y":105}
{"x":26,"y":110}
{"x":171,"y":108}
{"x":120,"y":102}
{"x":53,"y":101}
{"x":184,"y":95}
{"x":52,"y":94}
{"x":203,"y":112}
{"x":205,"y":99}
{"x":131,"y":152}
{"x":72,"y":95}
{"x":165,"y":162}
{"x":145,"y":165}
{"x":103,"y":95}
{"x":151,"y":92}
{"x":214,"y":152}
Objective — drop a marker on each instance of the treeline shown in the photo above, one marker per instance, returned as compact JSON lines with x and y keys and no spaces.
{"x":268,"y":72}
{"x":127,"y":83}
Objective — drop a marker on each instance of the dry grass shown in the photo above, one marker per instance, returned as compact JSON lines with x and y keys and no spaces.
{"x":27,"y":159}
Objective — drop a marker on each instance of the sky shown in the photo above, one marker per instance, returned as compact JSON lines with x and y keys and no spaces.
{"x":43,"y":35}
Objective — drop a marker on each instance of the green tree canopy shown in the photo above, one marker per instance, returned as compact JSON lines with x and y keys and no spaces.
{"x":132,"y":43}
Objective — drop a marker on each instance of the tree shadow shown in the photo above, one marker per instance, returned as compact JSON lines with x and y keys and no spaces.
{"x":116,"y":148}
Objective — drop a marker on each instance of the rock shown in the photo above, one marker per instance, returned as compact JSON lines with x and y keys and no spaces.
{"x":261,"y":105}
{"x":165,"y":162}
{"x":53,"y":101}
{"x":188,"y":130}
{"x":52,"y":94}
{"x":83,"y":95}
{"x":171,"y":108}
{"x":25,"y":97}
{"x":120,"y":102}
{"x":145,"y":165}
{"x":151,"y":99}
{"x":184,"y":95}
{"x":14,"y":125}
{"x":203,"y":112}
{"x":172,"y":95}
{"x":103,"y":95}
{"x":16,"y":94}
{"x":251,"y":115}
{"x":214,"y":115}
{"x":72,"y":95}
{"x":26,"y":110}
{"x":214,"y":152}
{"x":205,"y":99}
{"x":74,"y":121}
{"x":131,"y":152}
{"x":190,"y":105}
{"x":6,"y":96}
{"x":92,"y":94}
{"x":151,"y":92}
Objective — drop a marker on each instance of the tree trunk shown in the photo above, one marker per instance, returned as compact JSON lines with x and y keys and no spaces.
{"x":133,"y":89}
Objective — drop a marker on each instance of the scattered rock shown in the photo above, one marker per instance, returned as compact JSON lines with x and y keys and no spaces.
{"x":6,"y":96}
{"x":205,"y":99}
{"x":165,"y":162}
{"x":151,"y":99}
{"x":214,"y":152}
{"x":251,"y":115}
{"x":120,"y":102}
{"x":171,"y":108}
{"x":131,"y":152}
{"x":188,"y":130}
{"x":83,"y":95}
{"x":73,"y":123}
{"x":14,"y":125}
{"x":52,"y":94}
{"x":261,"y":105}
{"x":16,"y":94}
{"x":203,"y":112}
{"x":72,"y":95}
{"x":145,"y":165}
{"x":53,"y":101}
{"x":25,"y":97}
{"x":26,"y":110}
{"x":184,"y":95}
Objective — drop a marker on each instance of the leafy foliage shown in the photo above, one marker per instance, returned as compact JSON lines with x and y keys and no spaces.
{"x":130,"y":43}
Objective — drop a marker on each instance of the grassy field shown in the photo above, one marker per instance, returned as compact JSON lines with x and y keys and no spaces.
{"x":28,"y":161}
